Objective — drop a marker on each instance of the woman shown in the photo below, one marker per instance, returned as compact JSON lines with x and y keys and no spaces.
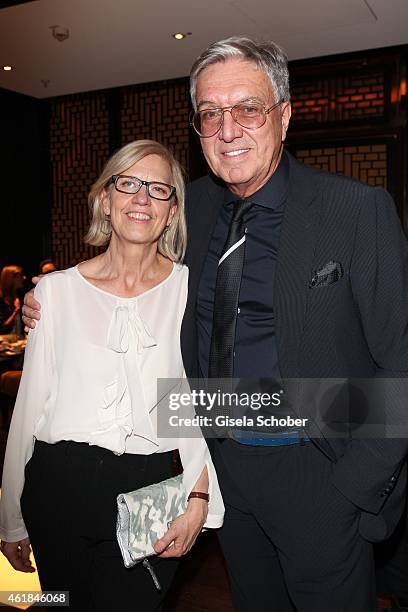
{"x":109,"y":329}
{"x":11,"y":281}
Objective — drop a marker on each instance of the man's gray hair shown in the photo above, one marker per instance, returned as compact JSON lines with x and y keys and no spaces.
{"x":266,"y":55}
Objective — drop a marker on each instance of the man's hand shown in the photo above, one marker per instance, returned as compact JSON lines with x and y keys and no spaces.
{"x":31,"y":308}
{"x":183,"y":531}
{"x":18,"y":554}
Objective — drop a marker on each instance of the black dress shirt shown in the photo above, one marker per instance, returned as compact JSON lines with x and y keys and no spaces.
{"x":255,"y":343}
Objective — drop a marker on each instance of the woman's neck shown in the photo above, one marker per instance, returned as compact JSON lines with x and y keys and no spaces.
{"x":135,"y":263}
{"x":127,"y":272}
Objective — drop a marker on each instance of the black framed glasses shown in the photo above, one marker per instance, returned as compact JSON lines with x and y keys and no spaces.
{"x":248,"y":114}
{"x":132,"y":184}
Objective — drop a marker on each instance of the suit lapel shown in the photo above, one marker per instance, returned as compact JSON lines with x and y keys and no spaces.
{"x":297,"y":248}
{"x":294,"y":266}
{"x":203,"y":213}
{"x":201,"y":228}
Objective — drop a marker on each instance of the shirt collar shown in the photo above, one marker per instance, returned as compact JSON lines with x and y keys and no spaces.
{"x":273,"y":193}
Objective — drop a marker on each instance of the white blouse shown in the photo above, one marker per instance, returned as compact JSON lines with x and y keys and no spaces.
{"x":90,"y":375}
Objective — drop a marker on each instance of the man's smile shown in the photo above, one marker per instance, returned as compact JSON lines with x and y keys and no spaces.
{"x":235,"y":152}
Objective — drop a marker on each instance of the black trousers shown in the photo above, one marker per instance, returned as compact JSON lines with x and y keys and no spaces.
{"x":69,"y":508}
{"x":290,"y":539}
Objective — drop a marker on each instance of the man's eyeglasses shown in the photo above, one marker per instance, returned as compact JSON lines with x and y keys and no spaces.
{"x":248,"y":114}
{"x":132,"y":184}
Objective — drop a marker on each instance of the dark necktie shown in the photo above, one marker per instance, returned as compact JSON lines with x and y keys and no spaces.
{"x":221,"y":362}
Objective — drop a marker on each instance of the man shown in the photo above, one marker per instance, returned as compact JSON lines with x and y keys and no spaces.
{"x":295,"y":512}
{"x":314,"y":269}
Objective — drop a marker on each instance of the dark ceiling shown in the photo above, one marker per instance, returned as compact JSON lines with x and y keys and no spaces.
{"x":7,"y":3}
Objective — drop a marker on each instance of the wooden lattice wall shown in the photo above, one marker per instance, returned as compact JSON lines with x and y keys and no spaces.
{"x":158,"y":111}
{"x":350,"y":117}
{"x":340,"y":98}
{"x":85,"y":129}
{"x":367,"y":163}
{"x":79,"y":146}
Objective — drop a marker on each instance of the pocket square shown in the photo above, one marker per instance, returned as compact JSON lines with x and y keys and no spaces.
{"x":328,"y":274}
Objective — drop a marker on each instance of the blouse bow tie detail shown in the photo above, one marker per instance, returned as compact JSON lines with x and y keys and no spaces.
{"x":125,"y":321}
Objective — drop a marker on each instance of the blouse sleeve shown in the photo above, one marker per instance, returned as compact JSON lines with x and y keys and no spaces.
{"x":194,"y":455}
{"x":31,"y":399}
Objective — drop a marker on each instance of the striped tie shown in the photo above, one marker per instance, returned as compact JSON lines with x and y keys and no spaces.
{"x":221,"y":362}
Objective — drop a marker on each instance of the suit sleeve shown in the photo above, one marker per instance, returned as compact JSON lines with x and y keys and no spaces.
{"x":368,"y":471}
{"x":30,"y":404}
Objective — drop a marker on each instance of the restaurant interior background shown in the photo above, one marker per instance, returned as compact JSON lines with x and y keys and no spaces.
{"x":89,"y":76}
{"x":349,"y":102}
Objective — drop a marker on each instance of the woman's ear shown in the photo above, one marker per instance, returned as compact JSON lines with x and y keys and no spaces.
{"x":172,"y":212}
{"x":105,"y":201}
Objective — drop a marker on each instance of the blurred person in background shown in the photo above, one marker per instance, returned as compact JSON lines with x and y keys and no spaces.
{"x":11,"y":283}
{"x":46,"y":266}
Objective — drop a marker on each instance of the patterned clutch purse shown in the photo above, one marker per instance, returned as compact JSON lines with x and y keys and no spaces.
{"x":144,"y":515}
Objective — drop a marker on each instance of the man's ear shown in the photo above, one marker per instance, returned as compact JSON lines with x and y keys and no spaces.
{"x":286,"y":114}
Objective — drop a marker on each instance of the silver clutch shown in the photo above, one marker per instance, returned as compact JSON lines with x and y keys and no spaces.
{"x":144,"y":516}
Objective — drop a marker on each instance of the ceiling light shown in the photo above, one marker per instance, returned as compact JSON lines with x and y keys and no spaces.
{"x":7,"y":68}
{"x":181,"y":35}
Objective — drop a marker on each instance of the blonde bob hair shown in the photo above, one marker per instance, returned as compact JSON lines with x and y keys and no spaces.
{"x":172,"y":242}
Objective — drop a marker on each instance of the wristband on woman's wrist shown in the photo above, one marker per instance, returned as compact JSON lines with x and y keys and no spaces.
{"x":200,"y":495}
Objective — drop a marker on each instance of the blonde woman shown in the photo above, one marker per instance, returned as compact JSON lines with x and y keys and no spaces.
{"x":110,"y":327}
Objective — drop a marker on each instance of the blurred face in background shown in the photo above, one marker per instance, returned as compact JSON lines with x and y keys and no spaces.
{"x":48,"y":267}
{"x":11,"y":279}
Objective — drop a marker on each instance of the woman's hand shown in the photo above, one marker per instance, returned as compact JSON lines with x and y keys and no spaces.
{"x":18,"y":554}
{"x":31,"y":308}
{"x":183,"y":531}
{"x":17,"y":305}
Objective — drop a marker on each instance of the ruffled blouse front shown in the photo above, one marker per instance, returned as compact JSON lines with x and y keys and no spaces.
{"x":128,"y":335}
{"x":105,"y":368}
